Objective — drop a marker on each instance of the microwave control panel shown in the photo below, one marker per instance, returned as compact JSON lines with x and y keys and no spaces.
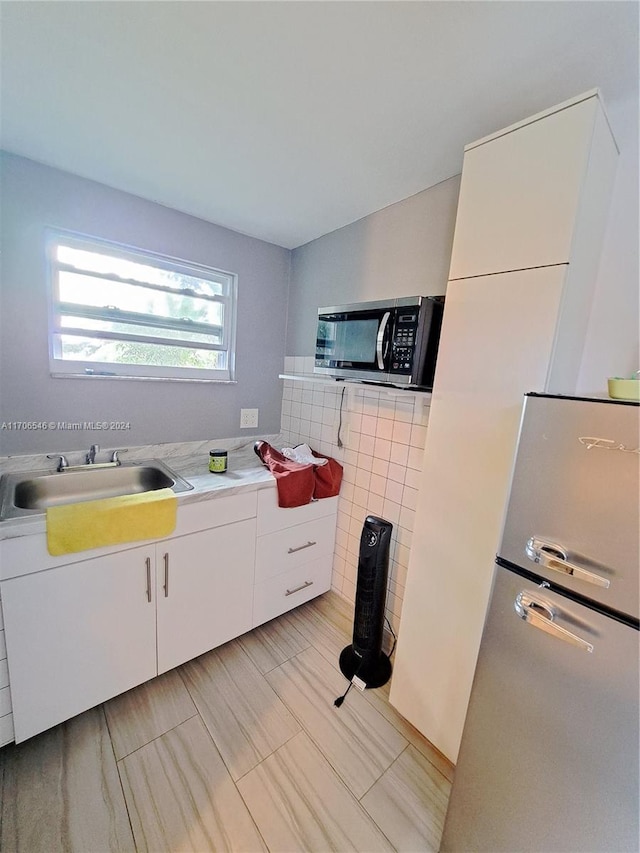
{"x":404,"y":341}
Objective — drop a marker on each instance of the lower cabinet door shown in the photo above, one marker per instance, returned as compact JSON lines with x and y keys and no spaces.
{"x":204,"y":591}
{"x":78,"y":635}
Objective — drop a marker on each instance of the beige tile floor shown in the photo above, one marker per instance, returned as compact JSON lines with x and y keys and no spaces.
{"x":242,"y":750}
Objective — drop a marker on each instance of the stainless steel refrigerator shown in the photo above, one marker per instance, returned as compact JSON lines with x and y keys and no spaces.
{"x":550,"y":751}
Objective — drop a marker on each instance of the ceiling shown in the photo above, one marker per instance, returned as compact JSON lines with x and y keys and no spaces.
{"x":287,"y":120}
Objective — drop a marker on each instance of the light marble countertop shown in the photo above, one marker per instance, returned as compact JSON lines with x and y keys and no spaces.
{"x":190,"y":460}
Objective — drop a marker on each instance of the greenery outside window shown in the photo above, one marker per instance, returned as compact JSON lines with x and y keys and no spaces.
{"x":119,"y":311}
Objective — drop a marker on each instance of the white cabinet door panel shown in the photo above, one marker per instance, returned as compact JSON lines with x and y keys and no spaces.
{"x":520,"y":193}
{"x":78,"y":635}
{"x":497,"y":344}
{"x":208,"y":599}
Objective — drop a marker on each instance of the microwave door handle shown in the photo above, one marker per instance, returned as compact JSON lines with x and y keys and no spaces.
{"x":380,"y":351}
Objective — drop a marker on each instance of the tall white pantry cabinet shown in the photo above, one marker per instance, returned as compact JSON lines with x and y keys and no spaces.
{"x":531,"y":217}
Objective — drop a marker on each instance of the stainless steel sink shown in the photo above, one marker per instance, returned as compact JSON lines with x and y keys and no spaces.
{"x":30,"y":492}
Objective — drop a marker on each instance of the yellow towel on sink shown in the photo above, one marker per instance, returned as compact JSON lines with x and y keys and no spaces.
{"x":110,"y":521}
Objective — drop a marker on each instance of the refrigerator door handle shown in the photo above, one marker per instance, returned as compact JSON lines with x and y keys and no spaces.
{"x":540,"y":614}
{"x":554,"y":557}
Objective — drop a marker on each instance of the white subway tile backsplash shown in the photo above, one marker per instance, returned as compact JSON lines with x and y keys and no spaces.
{"x":409,"y":498}
{"x":355,"y":422}
{"x":403,"y":536}
{"x":367,"y":445}
{"x":380,"y":466}
{"x":329,"y":435}
{"x":391,"y":511}
{"x":351,"y":456}
{"x":365,"y":461}
{"x":360,"y":497}
{"x":401,"y":432}
{"x":328,"y":417}
{"x":376,"y":504}
{"x":414,"y":459}
{"x":418,"y":435}
{"x":402,"y":555}
{"x":384,"y":428}
{"x":404,"y":412}
{"x":368,"y":424}
{"x":393,"y":491}
{"x":399,"y":453}
{"x":396,"y":473}
{"x":412,"y":478}
{"x":315,"y":431}
{"x":407,"y":518}
{"x":377,"y":484}
{"x":362,"y":478}
{"x":383,"y":439}
{"x":382,"y":448}
{"x":355,"y":526}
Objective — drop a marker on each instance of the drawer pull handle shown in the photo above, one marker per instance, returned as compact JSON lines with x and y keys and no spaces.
{"x":165,"y":586}
{"x":148,"y":565}
{"x":301,"y":547}
{"x":298,"y":588}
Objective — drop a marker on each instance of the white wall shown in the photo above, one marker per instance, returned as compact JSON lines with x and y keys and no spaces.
{"x":35,"y":196}
{"x":401,"y":250}
{"x":612,"y":348}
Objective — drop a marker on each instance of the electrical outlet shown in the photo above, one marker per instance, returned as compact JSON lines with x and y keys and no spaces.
{"x":248,"y":418}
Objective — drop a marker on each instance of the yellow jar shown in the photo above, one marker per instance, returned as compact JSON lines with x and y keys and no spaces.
{"x":217,"y":461}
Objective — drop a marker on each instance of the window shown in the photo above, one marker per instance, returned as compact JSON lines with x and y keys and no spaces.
{"x":117,"y":311}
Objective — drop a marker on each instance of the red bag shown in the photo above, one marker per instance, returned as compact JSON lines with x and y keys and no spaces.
{"x":328,"y":477}
{"x":297,"y":484}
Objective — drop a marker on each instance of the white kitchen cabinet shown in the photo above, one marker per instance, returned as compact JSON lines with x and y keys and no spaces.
{"x":6,"y":715}
{"x":204,"y":591}
{"x":532,"y":213}
{"x":87,"y":626}
{"x":82,"y":629}
{"x":533,"y":194}
{"x":78,"y":635}
{"x":294,"y":554}
{"x":473,"y":428}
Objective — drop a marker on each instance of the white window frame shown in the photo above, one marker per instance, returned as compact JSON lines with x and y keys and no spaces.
{"x":61,"y":367}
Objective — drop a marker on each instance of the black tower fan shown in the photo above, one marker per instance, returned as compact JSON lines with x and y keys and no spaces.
{"x":364,"y":657}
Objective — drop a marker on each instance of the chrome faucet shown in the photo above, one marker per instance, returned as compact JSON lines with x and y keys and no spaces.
{"x":62,"y":461}
{"x":91,"y":455}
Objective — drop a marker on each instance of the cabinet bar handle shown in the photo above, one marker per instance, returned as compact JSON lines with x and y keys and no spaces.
{"x":148,"y":564}
{"x":166,"y":575}
{"x":301,"y":547}
{"x":298,"y":588}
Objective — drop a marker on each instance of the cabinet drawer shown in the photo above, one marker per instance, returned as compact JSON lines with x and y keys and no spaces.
{"x":286,"y":549}
{"x":284,"y":592}
{"x":271,"y":517}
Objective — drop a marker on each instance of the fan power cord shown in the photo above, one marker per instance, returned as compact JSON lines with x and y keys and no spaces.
{"x":359,"y":683}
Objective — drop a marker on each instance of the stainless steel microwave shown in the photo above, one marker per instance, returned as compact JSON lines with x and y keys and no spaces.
{"x":393,"y":342}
